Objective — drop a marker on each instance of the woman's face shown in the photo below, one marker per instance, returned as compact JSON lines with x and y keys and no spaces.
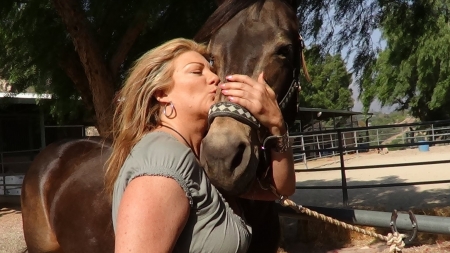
{"x":195,"y":84}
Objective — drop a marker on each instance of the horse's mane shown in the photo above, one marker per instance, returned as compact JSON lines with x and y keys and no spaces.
{"x":224,"y":13}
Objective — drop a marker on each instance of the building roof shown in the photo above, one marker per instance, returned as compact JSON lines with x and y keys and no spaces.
{"x":22,"y":98}
{"x":323,"y":114}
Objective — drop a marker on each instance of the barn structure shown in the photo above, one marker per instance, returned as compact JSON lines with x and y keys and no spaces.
{"x":25,"y":128}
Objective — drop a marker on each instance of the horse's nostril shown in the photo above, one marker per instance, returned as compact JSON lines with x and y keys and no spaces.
{"x":237,"y":159}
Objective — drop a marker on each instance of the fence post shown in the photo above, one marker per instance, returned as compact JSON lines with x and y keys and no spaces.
{"x":343,"y":176}
{"x":42,"y":128}
{"x":345,"y":142}
{"x":432,"y":132}
{"x":3,"y":187}
{"x":332,"y":144}
{"x":304,"y":152}
{"x":356,"y":141}
{"x":318,"y":145}
{"x":378,"y":138}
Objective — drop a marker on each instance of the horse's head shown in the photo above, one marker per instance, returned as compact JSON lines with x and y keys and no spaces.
{"x":248,"y":37}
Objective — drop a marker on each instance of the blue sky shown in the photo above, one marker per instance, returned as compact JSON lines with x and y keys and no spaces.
{"x":376,"y":106}
{"x":377,"y":41}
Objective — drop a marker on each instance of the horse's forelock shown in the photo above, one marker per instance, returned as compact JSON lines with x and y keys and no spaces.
{"x":224,"y":13}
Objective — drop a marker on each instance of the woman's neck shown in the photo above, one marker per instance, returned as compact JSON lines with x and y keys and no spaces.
{"x":190,"y":133}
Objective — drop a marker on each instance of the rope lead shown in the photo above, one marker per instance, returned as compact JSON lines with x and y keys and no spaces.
{"x":394,"y":240}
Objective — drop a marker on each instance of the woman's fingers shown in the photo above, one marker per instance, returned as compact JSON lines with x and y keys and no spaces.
{"x":261,"y":78}
{"x":241,"y":79}
{"x":268,"y":88}
{"x":255,"y":95}
{"x":252,"y":107}
{"x":236,"y":93}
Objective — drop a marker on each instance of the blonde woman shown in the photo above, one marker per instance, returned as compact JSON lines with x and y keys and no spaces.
{"x":162,"y":199}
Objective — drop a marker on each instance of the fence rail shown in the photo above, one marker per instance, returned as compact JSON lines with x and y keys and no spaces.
{"x":14,"y":164}
{"x":13,"y":167}
{"x":339,"y":142}
{"x":315,"y":145}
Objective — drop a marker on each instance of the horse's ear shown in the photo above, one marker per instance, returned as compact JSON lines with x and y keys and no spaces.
{"x":293,"y":3}
{"x":220,"y":2}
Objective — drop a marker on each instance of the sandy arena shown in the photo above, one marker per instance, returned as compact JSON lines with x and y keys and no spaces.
{"x":416,"y":197}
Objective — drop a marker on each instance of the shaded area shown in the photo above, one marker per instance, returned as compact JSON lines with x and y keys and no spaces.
{"x":386,"y":199}
{"x":9,"y":209}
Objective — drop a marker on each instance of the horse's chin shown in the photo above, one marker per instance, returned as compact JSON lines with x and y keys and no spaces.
{"x":229,"y":185}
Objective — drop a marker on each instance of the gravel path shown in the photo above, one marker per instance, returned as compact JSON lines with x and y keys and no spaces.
{"x":11,"y":235}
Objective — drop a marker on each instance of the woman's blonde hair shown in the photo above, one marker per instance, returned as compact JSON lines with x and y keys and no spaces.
{"x":138,"y":111}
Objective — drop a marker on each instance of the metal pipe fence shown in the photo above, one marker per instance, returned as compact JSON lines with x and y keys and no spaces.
{"x":339,"y":142}
{"x":14,"y":164}
{"x":13,"y":167}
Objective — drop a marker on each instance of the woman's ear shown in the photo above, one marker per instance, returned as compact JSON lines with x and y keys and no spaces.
{"x":162,"y":97}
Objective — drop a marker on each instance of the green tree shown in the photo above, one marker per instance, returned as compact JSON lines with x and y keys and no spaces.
{"x":329,"y":87}
{"x":82,"y":48}
{"x":338,"y":24}
{"x":413,"y":71}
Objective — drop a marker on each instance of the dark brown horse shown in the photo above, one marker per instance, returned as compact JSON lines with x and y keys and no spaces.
{"x":64,"y":208}
{"x":267,"y":31}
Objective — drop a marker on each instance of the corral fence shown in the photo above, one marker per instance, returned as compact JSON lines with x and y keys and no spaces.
{"x":321,"y":144}
{"x":14,"y":164}
{"x":339,"y":142}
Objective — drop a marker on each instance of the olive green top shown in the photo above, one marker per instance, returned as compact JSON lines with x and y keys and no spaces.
{"x":212,"y":225}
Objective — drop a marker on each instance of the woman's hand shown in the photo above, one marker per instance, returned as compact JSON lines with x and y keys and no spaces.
{"x":258,"y":98}
{"x":261,"y":101}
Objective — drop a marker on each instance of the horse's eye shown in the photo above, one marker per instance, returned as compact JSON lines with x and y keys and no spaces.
{"x":285,"y":51}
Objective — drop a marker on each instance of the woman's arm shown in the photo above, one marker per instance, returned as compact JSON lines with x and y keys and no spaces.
{"x":152,"y":213}
{"x":282,"y":177}
{"x":283,"y":172}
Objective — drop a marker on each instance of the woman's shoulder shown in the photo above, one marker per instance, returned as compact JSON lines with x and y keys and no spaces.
{"x":162,"y":152}
{"x":157,"y":143}
{"x":157,"y":138}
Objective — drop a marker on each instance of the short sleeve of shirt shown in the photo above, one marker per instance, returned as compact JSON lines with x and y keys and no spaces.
{"x":158,"y":154}
{"x":212,"y":225}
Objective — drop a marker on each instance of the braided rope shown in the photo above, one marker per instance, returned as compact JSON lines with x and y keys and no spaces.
{"x":394,"y":240}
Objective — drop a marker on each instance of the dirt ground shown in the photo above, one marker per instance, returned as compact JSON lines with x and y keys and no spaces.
{"x":400,"y":198}
{"x":11,"y":235}
{"x":421,"y":199}
{"x":328,"y":238}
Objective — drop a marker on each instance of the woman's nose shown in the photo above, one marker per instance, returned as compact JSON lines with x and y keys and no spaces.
{"x":214,"y":79}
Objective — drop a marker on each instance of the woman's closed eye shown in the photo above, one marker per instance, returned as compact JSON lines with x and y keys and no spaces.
{"x":197,"y":72}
